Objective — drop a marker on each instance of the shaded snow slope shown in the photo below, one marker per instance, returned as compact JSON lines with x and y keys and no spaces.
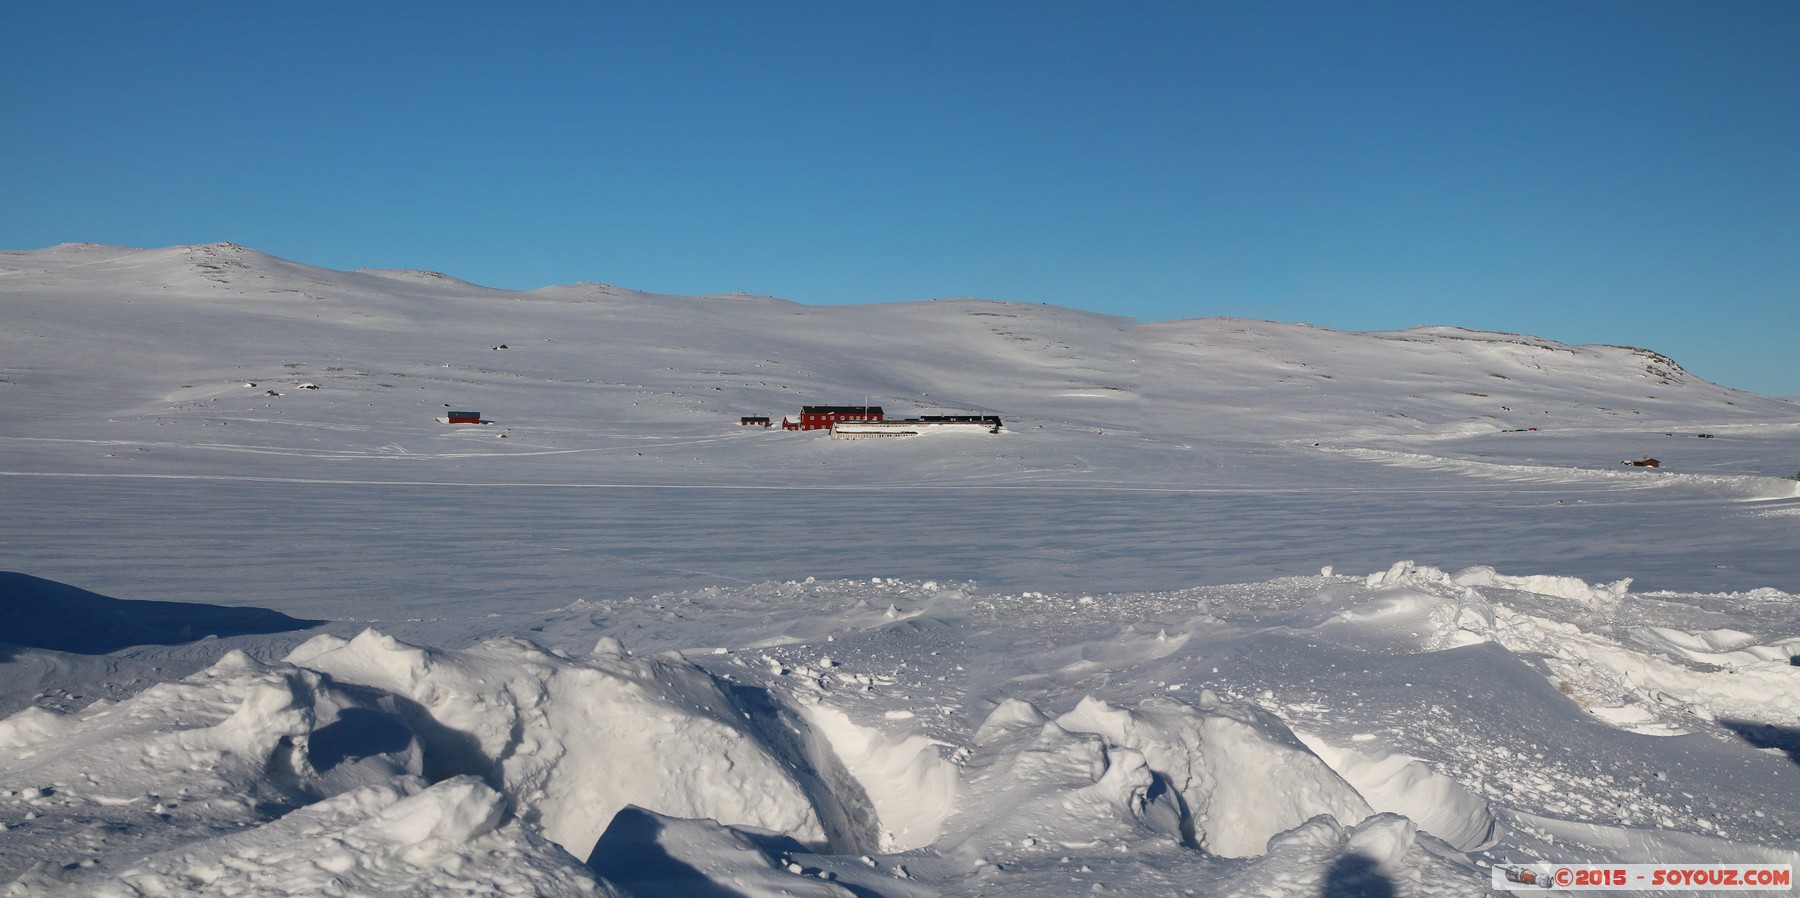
{"x":44,"y":614}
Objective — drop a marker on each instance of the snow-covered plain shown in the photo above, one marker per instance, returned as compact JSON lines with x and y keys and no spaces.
{"x":1230,"y":607}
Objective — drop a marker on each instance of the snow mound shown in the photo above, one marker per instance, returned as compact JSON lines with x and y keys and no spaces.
{"x":32,"y":726}
{"x":456,"y":810}
{"x":1654,"y":680}
{"x":234,"y":745}
{"x":260,"y":731}
{"x":1036,"y":788}
{"x":911,"y":787}
{"x":1221,"y":776}
{"x":1241,"y":775}
{"x":326,"y":755}
{"x":1395,"y":783}
{"x":1723,"y":647}
{"x":397,"y":838}
{"x":1604,"y":598}
{"x":571,"y":742}
{"x":1380,"y":856}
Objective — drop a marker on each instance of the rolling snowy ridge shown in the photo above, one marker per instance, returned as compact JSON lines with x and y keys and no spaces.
{"x":276,"y":631}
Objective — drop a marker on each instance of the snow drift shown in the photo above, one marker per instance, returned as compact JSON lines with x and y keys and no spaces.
{"x":571,"y":742}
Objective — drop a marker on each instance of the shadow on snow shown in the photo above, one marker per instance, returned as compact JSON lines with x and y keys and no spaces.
{"x":45,"y":614}
{"x":1764,"y":735}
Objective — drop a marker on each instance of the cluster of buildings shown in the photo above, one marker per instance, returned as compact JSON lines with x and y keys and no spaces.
{"x":845,"y":422}
{"x":861,"y":422}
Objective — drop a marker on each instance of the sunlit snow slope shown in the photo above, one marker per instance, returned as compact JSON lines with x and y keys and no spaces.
{"x":170,"y":340}
{"x":1229,"y":607}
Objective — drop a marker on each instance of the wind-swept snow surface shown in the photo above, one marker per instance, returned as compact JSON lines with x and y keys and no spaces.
{"x":1228,"y":608}
{"x":1254,"y":737}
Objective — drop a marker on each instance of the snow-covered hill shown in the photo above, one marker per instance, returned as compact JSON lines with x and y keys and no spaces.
{"x":1156,"y":637}
{"x":171,"y":338}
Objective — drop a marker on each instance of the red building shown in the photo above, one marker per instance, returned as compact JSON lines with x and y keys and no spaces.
{"x":820,"y":417}
{"x":462,"y":417}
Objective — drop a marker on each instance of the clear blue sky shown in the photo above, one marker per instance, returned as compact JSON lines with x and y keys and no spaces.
{"x":1593,"y":172}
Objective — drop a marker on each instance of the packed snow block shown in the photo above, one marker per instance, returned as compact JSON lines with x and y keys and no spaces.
{"x":1242,"y":776}
{"x":49,"y":615}
{"x":1036,"y":786}
{"x":570,"y":741}
{"x":1721,"y":647}
{"x":228,"y":747}
{"x":456,"y":810}
{"x":240,"y":727}
{"x":1648,"y":679}
{"x":1604,"y":598}
{"x":911,"y":787}
{"x":397,"y":838}
{"x":33,"y":726}
{"x":1009,"y":716}
{"x":1401,"y":784}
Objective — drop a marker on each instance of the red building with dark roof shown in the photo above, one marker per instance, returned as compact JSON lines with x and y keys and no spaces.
{"x":820,"y":417}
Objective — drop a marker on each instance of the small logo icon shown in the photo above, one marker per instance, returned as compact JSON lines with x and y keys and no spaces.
{"x":1525,"y":876}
